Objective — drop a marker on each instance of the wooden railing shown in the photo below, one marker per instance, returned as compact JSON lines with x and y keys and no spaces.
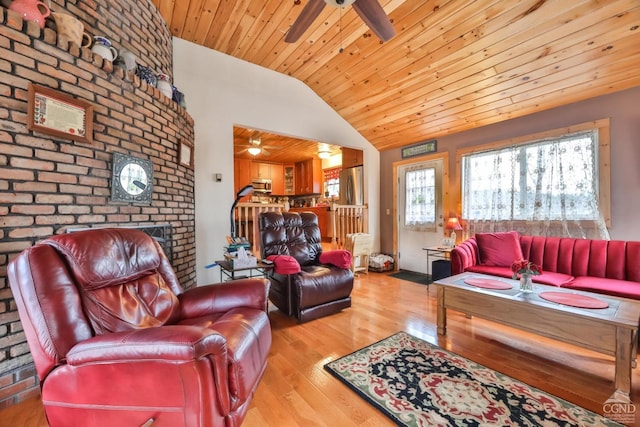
{"x":348,"y":219}
{"x":247,"y":221}
{"x":345,"y":219}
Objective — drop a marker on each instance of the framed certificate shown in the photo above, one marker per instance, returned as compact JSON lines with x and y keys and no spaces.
{"x":59,"y":114}
{"x":186,"y":154}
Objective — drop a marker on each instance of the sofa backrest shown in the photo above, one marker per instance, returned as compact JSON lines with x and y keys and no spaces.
{"x":291,"y":233}
{"x":613,"y":259}
{"x":73,"y":286}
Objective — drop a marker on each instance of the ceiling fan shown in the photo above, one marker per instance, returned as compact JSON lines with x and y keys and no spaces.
{"x":370,"y":11}
{"x":255,"y":147}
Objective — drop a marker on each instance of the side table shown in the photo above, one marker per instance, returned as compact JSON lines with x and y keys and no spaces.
{"x":442,"y":258}
{"x":227,"y":270}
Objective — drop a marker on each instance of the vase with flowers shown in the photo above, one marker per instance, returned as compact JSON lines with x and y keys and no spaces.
{"x":525,"y":269}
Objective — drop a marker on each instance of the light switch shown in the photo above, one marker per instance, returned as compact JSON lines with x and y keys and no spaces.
{"x":218,"y":177}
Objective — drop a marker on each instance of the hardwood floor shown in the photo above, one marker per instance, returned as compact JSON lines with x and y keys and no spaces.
{"x":297,"y":391}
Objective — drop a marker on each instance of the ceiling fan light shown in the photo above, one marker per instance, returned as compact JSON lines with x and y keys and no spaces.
{"x":324,"y":154}
{"x":254,"y":151}
{"x":338,"y":3}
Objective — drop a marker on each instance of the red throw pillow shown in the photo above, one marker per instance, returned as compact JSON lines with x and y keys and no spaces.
{"x":284,"y":264}
{"x":499,"y":249}
{"x":337,"y":257}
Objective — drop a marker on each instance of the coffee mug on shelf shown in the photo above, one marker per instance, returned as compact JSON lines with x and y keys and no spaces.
{"x":102,"y":46}
{"x":164,"y":85}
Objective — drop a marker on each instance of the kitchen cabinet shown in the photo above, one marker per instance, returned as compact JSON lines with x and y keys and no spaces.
{"x":351,"y":157}
{"x":261,"y":170}
{"x":242,"y":173}
{"x":308,"y":177}
{"x":289,"y":179}
{"x":277,"y":179}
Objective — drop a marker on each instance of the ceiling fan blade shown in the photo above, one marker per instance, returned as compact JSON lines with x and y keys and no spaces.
{"x":310,"y":12}
{"x":375,"y":17}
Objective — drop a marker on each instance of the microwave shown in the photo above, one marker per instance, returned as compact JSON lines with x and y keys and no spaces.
{"x":261,"y":185}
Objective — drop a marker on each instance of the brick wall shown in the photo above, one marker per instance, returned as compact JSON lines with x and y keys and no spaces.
{"x":49,"y":184}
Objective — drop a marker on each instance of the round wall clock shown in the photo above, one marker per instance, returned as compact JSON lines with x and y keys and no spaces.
{"x":131,"y":179}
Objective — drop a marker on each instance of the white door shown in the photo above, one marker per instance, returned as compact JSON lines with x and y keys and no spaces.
{"x":420,"y":213}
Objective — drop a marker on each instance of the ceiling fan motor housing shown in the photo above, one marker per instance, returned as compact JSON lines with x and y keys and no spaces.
{"x":339,"y":3}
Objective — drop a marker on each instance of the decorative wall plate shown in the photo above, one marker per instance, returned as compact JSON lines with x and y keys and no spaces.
{"x":131,"y":179}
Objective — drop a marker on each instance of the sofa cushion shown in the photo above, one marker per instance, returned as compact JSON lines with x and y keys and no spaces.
{"x":491,"y":270}
{"x":546,"y":278}
{"x":601,"y":285}
{"x":499,"y":249}
{"x":552,"y":279}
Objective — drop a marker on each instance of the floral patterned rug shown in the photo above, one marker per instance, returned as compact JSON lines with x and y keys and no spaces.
{"x":419,"y":384}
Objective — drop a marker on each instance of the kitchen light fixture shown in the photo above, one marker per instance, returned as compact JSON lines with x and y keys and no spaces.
{"x":324,"y":154}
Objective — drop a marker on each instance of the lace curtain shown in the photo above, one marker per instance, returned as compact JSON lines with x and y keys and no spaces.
{"x":420,"y":198}
{"x":545,"y":188}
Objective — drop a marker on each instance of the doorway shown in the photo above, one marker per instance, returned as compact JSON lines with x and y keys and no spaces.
{"x":420,"y":203}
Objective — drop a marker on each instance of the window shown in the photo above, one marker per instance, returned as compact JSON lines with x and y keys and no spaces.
{"x":420,"y":198}
{"x":549,"y":185}
{"x":332,"y":182}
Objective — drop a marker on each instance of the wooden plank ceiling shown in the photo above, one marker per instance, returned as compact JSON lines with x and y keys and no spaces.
{"x":277,"y":148}
{"x":453,"y":65}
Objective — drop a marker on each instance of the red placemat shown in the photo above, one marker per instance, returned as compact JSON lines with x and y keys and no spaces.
{"x":488,"y":283}
{"x":574,"y":300}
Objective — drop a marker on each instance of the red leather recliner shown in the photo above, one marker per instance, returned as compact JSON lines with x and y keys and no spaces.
{"x":117,"y":342}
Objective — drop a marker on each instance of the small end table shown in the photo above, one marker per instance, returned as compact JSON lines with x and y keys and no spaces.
{"x":441,"y":254}
{"x":226,"y":269}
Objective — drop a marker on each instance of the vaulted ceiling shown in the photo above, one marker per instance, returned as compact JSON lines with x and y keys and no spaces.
{"x":452,"y":66}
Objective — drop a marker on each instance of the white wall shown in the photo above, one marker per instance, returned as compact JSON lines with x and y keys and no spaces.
{"x":222,"y":91}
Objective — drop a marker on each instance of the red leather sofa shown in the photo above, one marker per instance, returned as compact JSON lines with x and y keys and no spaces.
{"x":117,"y":342}
{"x":609,"y":267}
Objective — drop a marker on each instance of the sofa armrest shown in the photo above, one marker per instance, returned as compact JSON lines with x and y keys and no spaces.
{"x":171,"y":343}
{"x":206,"y":300}
{"x":464,"y":255}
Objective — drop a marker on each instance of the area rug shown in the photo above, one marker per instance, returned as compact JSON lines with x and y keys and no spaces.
{"x":419,"y":384}
{"x":412,"y":276}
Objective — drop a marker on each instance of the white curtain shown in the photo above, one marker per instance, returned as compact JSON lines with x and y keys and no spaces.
{"x":420,"y":198}
{"x":545,"y":188}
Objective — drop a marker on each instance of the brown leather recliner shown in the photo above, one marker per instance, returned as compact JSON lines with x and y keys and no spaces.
{"x":317,"y":289}
{"x":117,"y":342}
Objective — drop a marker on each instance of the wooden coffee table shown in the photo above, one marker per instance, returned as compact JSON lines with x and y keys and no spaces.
{"x":612,"y":330}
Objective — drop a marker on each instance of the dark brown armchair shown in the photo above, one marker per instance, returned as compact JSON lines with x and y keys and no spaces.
{"x":317,"y":289}
{"x":117,"y":342}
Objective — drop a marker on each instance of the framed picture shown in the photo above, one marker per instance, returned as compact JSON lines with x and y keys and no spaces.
{"x":420,"y":149}
{"x":185,"y":154}
{"x":58,"y":114}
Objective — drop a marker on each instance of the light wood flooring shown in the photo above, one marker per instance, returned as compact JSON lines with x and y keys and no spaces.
{"x":297,"y":391}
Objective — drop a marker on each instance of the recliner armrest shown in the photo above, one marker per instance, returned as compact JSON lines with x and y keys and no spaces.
{"x":206,"y":300}
{"x":337,"y":257}
{"x":171,"y":342}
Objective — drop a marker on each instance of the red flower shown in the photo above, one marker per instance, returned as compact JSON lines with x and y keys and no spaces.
{"x":524,"y":266}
